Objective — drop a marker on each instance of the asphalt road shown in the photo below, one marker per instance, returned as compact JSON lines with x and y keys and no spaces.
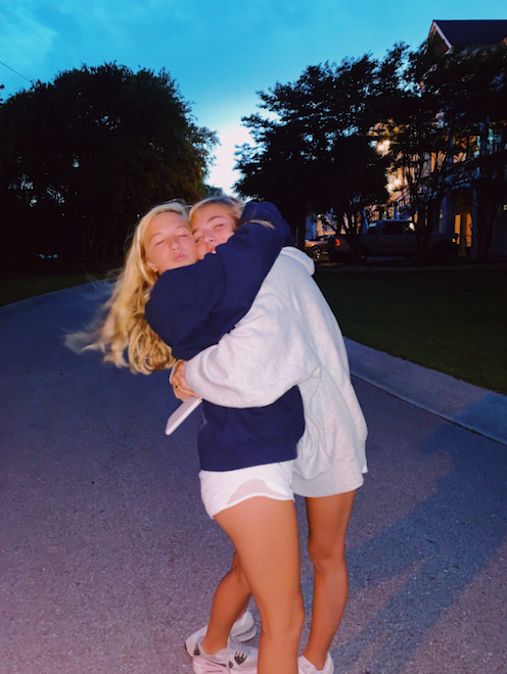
{"x":108,"y":560}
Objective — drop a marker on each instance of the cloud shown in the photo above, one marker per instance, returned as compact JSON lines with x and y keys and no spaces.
{"x":114,"y":17}
{"x":26,"y":41}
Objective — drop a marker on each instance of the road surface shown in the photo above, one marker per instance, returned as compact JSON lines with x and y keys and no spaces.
{"x":108,"y":560}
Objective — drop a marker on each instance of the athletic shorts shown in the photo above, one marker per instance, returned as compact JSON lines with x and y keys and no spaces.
{"x":339,"y":477}
{"x":224,"y":489}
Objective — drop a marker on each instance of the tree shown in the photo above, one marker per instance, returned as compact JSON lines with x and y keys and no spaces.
{"x":446,"y":130}
{"x":418,"y":147}
{"x":472,"y":87}
{"x":312,"y":148}
{"x":83,"y":156}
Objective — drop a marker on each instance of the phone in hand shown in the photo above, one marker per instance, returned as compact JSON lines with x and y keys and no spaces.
{"x":181,"y":413}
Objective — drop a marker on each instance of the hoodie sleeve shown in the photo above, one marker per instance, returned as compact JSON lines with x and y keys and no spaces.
{"x":268,"y":353}
{"x":193,"y":307}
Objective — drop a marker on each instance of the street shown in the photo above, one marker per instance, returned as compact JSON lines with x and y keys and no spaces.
{"x":109,"y":560}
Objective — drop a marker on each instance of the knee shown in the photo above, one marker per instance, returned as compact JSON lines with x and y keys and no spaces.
{"x":326,"y":557}
{"x":287,"y":625}
{"x":237,"y":573}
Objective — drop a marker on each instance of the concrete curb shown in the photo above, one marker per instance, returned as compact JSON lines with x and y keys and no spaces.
{"x":474,"y":408}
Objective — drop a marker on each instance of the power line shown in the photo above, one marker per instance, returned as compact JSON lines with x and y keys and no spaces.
{"x":14,"y":71}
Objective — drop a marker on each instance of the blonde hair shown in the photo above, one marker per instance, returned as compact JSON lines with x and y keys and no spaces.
{"x":124,"y":326}
{"x":233,"y":206}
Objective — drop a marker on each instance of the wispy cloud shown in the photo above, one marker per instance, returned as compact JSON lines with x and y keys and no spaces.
{"x":25,"y":40}
{"x":116,"y":17}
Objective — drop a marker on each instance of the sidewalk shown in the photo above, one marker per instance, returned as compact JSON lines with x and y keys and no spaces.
{"x":469,"y":406}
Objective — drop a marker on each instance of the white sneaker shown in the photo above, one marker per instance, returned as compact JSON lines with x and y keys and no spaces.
{"x":243,"y":629}
{"x":306,"y":667}
{"x":234,"y":658}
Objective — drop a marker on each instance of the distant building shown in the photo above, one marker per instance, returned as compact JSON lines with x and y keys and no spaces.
{"x":458,"y":212}
{"x":459,"y":209}
{"x":447,"y":36}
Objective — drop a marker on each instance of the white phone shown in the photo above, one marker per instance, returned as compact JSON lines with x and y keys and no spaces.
{"x":181,"y":413}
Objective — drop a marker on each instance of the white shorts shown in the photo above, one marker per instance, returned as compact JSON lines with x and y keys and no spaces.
{"x":334,"y":480}
{"x":224,"y":489}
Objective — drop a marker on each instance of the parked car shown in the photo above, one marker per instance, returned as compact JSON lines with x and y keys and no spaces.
{"x":398,"y":237}
{"x":315,"y":248}
{"x":333,"y":247}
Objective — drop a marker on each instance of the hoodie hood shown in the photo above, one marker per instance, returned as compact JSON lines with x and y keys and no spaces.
{"x":300,"y":257}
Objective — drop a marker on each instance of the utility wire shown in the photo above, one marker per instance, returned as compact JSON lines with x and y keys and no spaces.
{"x":14,"y":71}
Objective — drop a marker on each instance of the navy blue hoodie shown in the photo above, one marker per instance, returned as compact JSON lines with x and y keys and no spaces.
{"x":191,"y":308}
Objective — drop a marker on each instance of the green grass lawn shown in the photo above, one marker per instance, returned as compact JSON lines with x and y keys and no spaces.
{"x":19,"y":288}
{"x":452,"y":320}
{"x":15,"y":287}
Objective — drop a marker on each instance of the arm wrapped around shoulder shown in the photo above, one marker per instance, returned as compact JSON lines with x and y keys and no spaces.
{"x":267,"y":214}
{"x":261,"y":359}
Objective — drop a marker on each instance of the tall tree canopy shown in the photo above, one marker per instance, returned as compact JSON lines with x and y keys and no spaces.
{"x":472,"y":89}
{"x":312,"y":145}
{"x":327,"y":139}
{"x":447,"y":130}
{"x":83,"y":156}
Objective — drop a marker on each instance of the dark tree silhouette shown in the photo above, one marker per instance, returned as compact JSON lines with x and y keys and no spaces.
{"x":447,"y":131}
{"x":83,"y":156}
{"x":441,"y":125}
{"x":472,"y":87}
{"x":312,"y":148}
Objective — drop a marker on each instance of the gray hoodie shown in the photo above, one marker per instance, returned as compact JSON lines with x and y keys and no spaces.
{"x":290,"y":337}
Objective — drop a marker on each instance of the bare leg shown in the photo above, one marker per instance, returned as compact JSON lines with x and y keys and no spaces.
{"x":230,"y":601}
{"x":328,"y":518}
{"x":264,"y":533}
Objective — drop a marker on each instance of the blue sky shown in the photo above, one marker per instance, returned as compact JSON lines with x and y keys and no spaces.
{"x":220,"y":51}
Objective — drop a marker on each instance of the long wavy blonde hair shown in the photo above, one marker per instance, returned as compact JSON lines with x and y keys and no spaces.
{"x":124,"y":326}
{"x":121,"y":325}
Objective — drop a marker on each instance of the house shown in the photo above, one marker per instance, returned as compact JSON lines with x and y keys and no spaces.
{"x":447,"y":36}
{"x":461,"y":209}
{"x":459,"y":212}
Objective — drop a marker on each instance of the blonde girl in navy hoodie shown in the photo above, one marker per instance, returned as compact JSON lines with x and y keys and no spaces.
{"x":191,"y":304}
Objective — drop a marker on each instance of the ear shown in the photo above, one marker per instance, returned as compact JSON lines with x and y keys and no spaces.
{"x":152,"y":267}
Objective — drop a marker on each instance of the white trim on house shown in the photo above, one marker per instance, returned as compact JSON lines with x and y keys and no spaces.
{"x":436,"y":28}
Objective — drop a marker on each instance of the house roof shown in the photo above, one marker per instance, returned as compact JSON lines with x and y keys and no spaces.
{"x":464,"y":33}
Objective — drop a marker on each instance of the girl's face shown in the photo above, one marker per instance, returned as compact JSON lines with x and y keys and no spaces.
{"x":211,"y":226}
{"x":168,"y":243}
